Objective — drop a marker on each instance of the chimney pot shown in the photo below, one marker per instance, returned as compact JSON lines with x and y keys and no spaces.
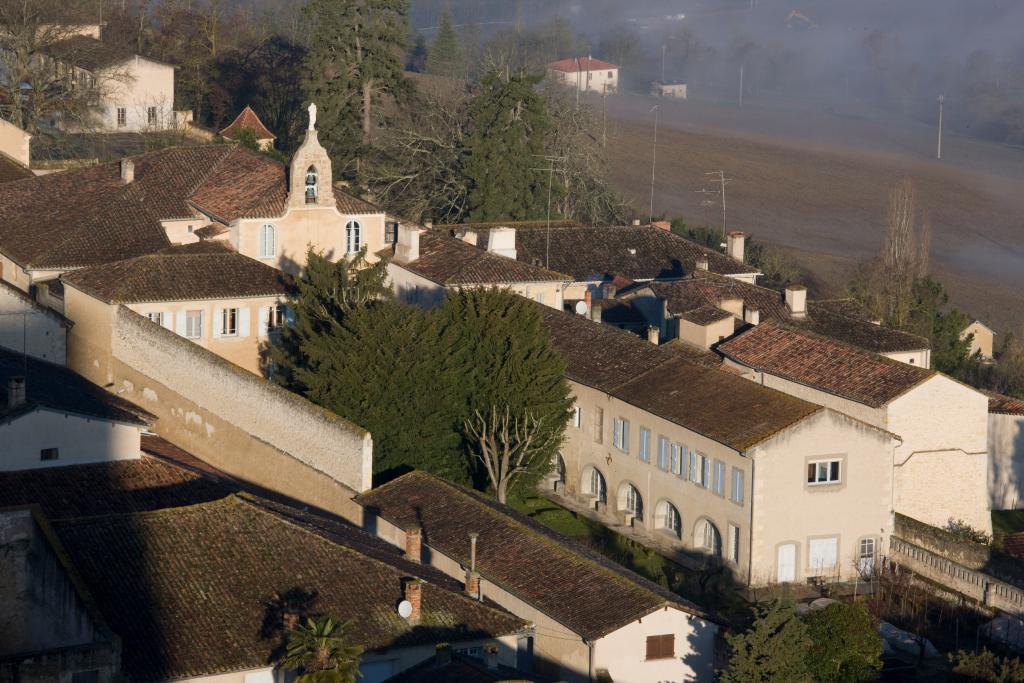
{"x":654,"y":335}
{"x":472,"y":584}
{"x":412,"y":591}
{"x":735,"y":244}
{"x":796,"y":301}
{"x":127,"y":171}
{"x":414,"y":544}
{"x":588,"y":299}
{"x":15,"y":392}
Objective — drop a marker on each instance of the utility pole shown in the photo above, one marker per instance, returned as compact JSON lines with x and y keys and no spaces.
{"x":577,"y":83}
{"x":604,"y":116}
{"x":551,"y":176}
{"x":938,"y":154}
{"x":741,"y":85}
{"x":706,"y":203}
{"x":719,"y":177}
{"x":654,"y":157}
{"x":663,"y":46}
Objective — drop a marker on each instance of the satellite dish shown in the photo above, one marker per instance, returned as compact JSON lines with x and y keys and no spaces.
{"x":581,"y":308}
{"x":405,"y":609}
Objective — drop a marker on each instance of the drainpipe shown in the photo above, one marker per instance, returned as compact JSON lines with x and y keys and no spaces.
{"x":750,"y":530}
{"x":590,"y":660}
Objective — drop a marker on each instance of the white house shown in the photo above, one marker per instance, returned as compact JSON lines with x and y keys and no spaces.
{"x":586,"y":74}
{"x":593,"y":619}
{"x":52,"y":417}
{"x":28,"y":327}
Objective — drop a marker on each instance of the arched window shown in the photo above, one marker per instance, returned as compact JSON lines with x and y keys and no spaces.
{"x":593,"y":484}
{"x":560,"y":467}
{"x":268,"y":241}
{"x":668,"y":519}
{"x":311,"y":189}
{"x":353,"y":237}
{"x":630,"y":501}
{"x":707,"y":538}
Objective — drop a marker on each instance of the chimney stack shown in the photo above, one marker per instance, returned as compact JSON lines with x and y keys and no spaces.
{"x":491,"y":657}
{"x":588,"y":299}
{"x":751,"y":315}
{"x":608,"y":291}
{"x":654,"y":335}
{"x":472,"y":578}
{"x":502,"y":241}
{"x":15,"y":392}
{"x":407,"y":246}
{"x":412,"y":592}
{"x":702,"y":263}
{"x":127,"y":171}
{"x":414,"y":544}
{"x":636,"y":222}
{"x":796,"y":300}
{"x":735,"y":243}
{"x":291,"y":619}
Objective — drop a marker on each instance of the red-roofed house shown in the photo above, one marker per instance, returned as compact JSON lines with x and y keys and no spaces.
{"x":586,"y":74}
{"x":248,"y":120}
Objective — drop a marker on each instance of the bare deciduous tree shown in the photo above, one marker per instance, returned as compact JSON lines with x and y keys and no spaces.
{"x":508,"y":445}
{"x":904,"y":256}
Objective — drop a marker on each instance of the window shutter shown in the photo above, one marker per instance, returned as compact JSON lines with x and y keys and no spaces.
{"x":264,"y":321}
{"x":243,"y":321}
{"x":289,"y":316}
{"x":218,"y":322}
{"x":810,"y":473}
{"x":625,"y":436}
{"x":168,"y":320}
{"x":707,"y":471}
{"x":179,"y":323}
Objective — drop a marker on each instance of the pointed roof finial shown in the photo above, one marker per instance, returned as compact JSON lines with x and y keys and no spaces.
{"x":312,"y":116}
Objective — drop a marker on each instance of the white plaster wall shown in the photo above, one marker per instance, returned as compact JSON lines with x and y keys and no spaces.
{"x":623,"y":652}
{"x":413,"y":288}
{"x":14,"y":274}
{"x":599,"y":81}
{"x":942,"y":464}
{"x":921,"y":358}
{"x":80,"y":440}
{"x":1006,"y":461}
{"x":14,"y":142}
{"x":786,"y":509}
{"x":25,"y":326}
{"x":137,"y":85}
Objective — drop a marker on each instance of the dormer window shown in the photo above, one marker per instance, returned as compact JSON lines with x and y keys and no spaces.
{"x":311,"y":180}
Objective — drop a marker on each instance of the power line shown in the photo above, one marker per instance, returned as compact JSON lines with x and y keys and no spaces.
{"x":719,"y":177}
{"x":654,"y":158}
{"x":551,"y":176}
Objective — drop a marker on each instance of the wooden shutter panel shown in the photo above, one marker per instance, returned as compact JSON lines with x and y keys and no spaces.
{"x":244,"y":321}
{"x":661,"y":647}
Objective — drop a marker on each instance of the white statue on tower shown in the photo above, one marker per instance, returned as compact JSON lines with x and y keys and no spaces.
{"x":312,"y":116}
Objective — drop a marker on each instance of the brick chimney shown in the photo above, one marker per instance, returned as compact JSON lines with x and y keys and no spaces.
{"x":414,"y":544}
{"x":735,"y":243}
{"x":15,"y":392}
{"x":412,"y":591}
{"x":702,"y":263}
{"x":472,"y":578}
{"x":751,"y":315}
{"x":588,"y":299}
{"x":407,"y":245}
{"x":796,"y":301}
{"x":127,"y":171}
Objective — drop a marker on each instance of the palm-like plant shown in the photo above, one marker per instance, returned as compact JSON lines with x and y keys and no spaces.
{"x":319,"y":649}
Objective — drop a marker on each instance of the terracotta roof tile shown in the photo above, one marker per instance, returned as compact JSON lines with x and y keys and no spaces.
{"x":247,"y":119}
{"x":58,"y":388}
{"x":574,"y":64}
{"x":87,"y":53}
{"x":176,"y":585}
{"x":450,"y":261}
{"x":12,"y":170}
{"x":999,"y":404}
{"x":244,"y":180}
{"x":521,"y":556}
{"x":203,"y":270}
{"x":859,"y":332}
{"x":634,"y":252}
{"x":705,"y":315}
{"x":721,"y":405}
{"x":702,"y":288}
{"x":823,"y":363}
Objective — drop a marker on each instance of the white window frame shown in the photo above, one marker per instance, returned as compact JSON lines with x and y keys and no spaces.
{"x":268,"y":241}
{"x":151,"y":116}
{"x":737,"y":493}
{"x":718,"y":478}
{"x":620,"y":434}
{"x":866,"y":559}
{"x":353,"y":237}
{"x":673,"y":520}
{"x":312,"y":189}
{"x":122,"y":117}
{"x":733,"y":549}
{"x":823,"y":472}
{"x":664,"y":454}
{"x":229,"y":322}
{"x":678,"y":468}
{"x":157,"y":318}
{"x":191,"y":316}
{"x":822,"y":554}
{"x":577,"y":416}
{"x":634,"y":502}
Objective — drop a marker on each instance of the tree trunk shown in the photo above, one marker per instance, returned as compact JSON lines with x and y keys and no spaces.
{"x":367,"y":104}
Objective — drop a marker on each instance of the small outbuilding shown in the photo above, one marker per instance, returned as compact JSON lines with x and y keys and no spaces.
{"x":675,"y":90}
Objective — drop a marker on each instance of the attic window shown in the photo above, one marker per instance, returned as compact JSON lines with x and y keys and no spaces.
{"x":311,"y":179}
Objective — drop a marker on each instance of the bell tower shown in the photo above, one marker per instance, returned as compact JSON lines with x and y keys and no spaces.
{"x":309,"y":179}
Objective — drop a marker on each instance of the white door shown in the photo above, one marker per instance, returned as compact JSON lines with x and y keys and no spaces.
{"x":786,"y":563}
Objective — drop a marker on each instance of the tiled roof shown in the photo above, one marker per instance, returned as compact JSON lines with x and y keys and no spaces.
{"x":450,"y":261}
{"x":203,"y":270}
{"x":58,"y":388}
{"x":705,"y":315}
{"x":859,"y":332}
{"x":197,"y":590}
{"x":635,"y":252}
{"x":823,"y":363}
{"x":120,"y":486}
{"x":573,"y":585}
{"x":273,"y":204}
{"x":244,"y":181}
{"x":459,"y":669}
{"x":703,"y":288}
{"x":247,"y":120}
{"x":574,"y":64}
{"x":87,"y":53}
{"x":690,"y":392}
{"x":12,"y":170}
{"x":999,"y":404}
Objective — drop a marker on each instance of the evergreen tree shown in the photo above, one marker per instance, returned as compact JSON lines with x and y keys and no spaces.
{"x":847,"y":647}
{"x":774,"y":648}
{"x":355,"y":55}
{"x":446,"y":57}
{"x":506,"y":149}
{"x":517,"y":397}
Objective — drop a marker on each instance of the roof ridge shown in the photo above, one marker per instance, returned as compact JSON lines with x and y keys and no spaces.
{"x":884,"y":360}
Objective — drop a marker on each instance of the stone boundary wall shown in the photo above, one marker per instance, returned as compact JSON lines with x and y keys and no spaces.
{"x":237,"y":421}
{"x":979,"y":586}
{"x":971,"y":555}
